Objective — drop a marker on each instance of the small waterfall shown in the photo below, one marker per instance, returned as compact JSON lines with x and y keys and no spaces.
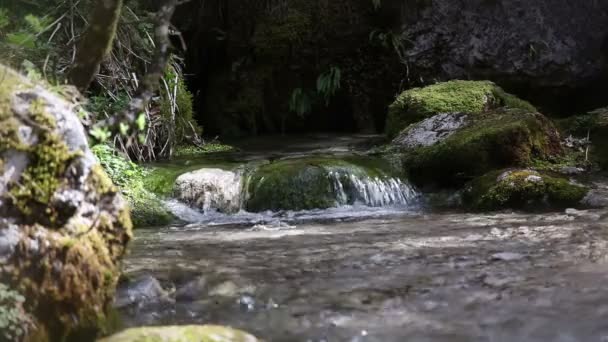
{"x":355,"y":186}
{"x":213,"y":191}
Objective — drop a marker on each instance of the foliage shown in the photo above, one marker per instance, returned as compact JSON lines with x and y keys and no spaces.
{"x":328,"y":83}
{"x":147,"y":209}
{"x":176,"y":108}
{"x":300,"y":102}
{"x":377,"y":4}
{"x":14,"y":322}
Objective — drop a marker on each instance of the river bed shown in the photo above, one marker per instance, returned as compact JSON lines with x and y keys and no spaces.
{"x":384,"y":274}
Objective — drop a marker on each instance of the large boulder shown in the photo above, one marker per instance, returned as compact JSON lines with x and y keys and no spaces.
{"x":471,"y":97}
{"x":523,"y":189}
{"x":478,"y":144}
{"x":552,"y":43}
{"x":63,"y":225}
{"x":190,"y":333}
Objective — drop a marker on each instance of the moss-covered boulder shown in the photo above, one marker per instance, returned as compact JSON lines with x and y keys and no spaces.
{"x":191,"y":333}
{"x":63,"y":225}
{"x":522,"y":189}
{"x":492,"y":140}
{"x":472,"y":97}
{"x":317,"y":183}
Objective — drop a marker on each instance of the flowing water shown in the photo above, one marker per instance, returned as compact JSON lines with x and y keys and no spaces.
{"x":377,"y":268}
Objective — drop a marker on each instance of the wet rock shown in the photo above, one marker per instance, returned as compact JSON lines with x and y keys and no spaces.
{"x":431,"y":131}
{"x":140,"y":292}
{"x":522,"y":189}
{"x":320,"y":183}
{"x":211,"y":189}
{"x":247,"y":302}
{"x":64,"y":225}
{"x":191,"y":333}
{"x":596,"y":198}
{"x":192,"y":291}
{"x":225,"y":289}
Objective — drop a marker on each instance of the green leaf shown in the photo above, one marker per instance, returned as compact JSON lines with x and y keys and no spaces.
{"x":123,"y":128}
{"x":141,"y":121}
{"x":100,"y":133}
{"x":4,"y":18}
{"x":21,"y":39}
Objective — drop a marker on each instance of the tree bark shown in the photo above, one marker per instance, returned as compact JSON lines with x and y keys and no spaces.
{"x":96,"y":43}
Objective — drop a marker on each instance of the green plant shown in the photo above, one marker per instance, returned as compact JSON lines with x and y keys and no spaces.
{"x":300,"y":102}
{"x":328,"y":83}
{"x":377,"y":4}
{"x":388,"y":40}
{"x":147,"y":208}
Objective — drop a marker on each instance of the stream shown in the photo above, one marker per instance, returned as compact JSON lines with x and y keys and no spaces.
{"x":357,"y":272}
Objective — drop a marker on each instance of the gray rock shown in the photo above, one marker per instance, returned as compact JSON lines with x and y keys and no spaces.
{"x":192,"y":291}
{"x":539,"y":42}
{"x":431,"y":131}
{"x":211,"y":189}
{"x":140,"y":292}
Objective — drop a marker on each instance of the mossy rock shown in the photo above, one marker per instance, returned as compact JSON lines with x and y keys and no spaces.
{"x":291,"y":185}
{"x":497,"y":139}
{"x":317,"y":183}
{"x":472,"y":97}
{"x":63,"y":225}
{"x":191,"y":333}
{"x":522,"y":189}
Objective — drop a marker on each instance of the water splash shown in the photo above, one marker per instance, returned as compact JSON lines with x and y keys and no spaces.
{"x":360,"y":188}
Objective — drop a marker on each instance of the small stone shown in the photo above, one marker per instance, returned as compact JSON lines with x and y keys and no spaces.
{"x":507,"y":256}
{"x":247,"y":302}
{"x":142,"y":291}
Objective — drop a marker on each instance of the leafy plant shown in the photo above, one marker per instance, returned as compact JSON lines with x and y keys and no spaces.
{"x":377,"y":4}
{"x":328,"y":83}
{"x":300,"y":102}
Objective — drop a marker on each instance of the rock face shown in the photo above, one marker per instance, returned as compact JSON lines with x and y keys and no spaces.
{"x":543,"y":42}
{"x":63,"y":225}
{"x":193,"y":333}
{"x":523,"y":189}
{"x":211,"y":189}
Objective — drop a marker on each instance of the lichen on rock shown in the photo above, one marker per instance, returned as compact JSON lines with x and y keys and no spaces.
{"x":66,"y":226}
{"x":522,"y":189}
{"x":472,"y":97}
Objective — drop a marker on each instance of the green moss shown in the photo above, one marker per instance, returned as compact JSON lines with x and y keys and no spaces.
{"x":147,"y":210}
{"x":308,"y":183}
{"x":594,"y":124}
{"x":192,"y":151}
{"x":522,"y":189}
{"x":275,"y":36}
{"x":496,"y":139}
{"x":207,"y":333}
{"x":454,"y":96}
{"x":176,"y":107}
